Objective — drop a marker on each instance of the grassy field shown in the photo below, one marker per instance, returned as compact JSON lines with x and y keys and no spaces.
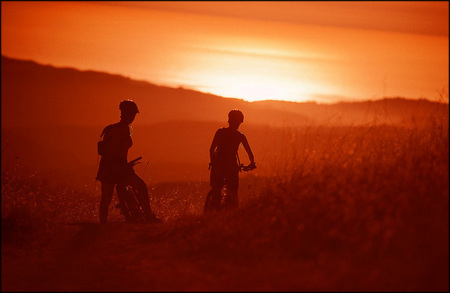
{"x":360,"y":208}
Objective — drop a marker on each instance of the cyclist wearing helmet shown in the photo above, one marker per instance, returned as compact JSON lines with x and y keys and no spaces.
{"x":113,"y":167}
{"x":223,"y":162}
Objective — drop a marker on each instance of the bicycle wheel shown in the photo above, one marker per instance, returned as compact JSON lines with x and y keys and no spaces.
{"x":212,"y":202}
{"x":136,"y":205}
{"x":130,"y":205}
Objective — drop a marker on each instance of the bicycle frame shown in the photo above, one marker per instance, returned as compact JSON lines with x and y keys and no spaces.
{"x":129,"y":199}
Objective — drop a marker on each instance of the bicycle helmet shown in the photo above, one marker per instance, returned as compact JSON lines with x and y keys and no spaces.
{"x":128,"y":106}
{"x":235,"y":116}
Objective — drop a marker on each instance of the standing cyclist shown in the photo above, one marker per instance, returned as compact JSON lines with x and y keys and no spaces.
{"x":224,"y":163}
{"x":114,"y":169}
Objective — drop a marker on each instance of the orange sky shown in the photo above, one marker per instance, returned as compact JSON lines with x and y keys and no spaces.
{"x":322,"y":51}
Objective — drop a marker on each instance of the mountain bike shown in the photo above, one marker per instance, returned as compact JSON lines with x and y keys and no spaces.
{"x":226,"y":200}
{"x":131,"y":195}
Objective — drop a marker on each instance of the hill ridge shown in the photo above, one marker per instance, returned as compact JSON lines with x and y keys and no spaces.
{"x":68,"y":96}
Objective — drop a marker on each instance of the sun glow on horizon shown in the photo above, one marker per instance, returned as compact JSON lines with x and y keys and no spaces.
{"x":255,"y":88}
{"x":253,"y":73}
{"x":235,"y":57}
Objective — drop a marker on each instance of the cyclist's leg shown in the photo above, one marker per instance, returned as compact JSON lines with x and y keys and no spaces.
{"x":107,"y":193}
{"x":232,"y":181}
{"x":143,"y":197}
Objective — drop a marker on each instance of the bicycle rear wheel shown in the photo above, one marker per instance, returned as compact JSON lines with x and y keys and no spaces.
{"x":212,"y":202}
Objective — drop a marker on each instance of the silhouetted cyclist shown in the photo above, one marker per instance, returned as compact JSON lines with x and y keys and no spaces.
{"x":113,"y":169}
{"x":224,"y":162}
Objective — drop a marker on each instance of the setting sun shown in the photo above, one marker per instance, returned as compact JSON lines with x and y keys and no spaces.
{"x":257,"y":84}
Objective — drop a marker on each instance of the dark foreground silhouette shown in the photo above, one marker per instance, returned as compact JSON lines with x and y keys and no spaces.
{"x":115,"y":171}
{"x":225,"y":165}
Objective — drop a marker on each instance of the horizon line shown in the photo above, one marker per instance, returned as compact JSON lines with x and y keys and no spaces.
{"x":190,"y":88}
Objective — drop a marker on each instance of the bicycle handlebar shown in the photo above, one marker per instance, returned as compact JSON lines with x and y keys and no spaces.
{"x":134,"y":162}
{"x":249,"y":167}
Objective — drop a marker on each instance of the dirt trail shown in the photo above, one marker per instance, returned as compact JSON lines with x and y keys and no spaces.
{"x":138,"y":257}
{"x":89,"y":256}
{"x":175,"y":256}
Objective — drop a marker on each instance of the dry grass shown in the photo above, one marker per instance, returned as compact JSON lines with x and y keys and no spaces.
{"x":350,"y":208}
{"x":364,"y":208}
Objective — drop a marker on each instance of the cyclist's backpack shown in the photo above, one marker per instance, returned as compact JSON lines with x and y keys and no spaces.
{"x":101,"y":145}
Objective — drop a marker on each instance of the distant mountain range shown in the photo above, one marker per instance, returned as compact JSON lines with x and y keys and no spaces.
{"x":52,"y":117}
{"x":35,"y":94}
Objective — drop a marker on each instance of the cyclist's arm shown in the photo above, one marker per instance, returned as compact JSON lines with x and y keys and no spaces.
{"x":248,"y":149}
